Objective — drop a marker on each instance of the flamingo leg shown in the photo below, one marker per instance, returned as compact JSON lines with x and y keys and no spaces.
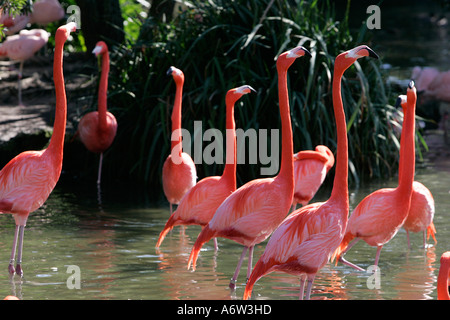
{"x":309,"y":287}
{"x":250,"y":262}
{"x":216,"y":245}
{"x":99,"y":178}
{"x":238,"y":268}
{"x":407,"y":237}
{"x":13,"y":252}
{"x":377,"y":256}
{"x":348,"y":263}
{"x":302,"y":286}
{"x":19,"y":252}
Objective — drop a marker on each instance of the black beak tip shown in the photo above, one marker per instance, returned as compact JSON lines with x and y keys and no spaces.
{"x":372,"y":54}
{"x":398,"y":102}
{"x":307,"y":53}
{"x":169,"y":72}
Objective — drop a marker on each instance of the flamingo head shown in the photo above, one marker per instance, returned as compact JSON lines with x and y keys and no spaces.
{"x":177,"y":75}
{"x":327,"y":152}
{"x":347,"y":58}
{"x":286,"y":59}
{"x":100,"y":48}
{"x":64,"y":31}
{"x":236,"y":93}
{"x":411,"y":95}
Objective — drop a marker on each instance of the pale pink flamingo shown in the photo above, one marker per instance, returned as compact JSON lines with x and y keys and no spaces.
{"x":97,"y":129}
{"x":310,"y":170}
{"x":308,"y":237}
{"x":201,"y":202}
{"x":380,"y":215}
{"x":28,"y":179}
{"x":21,"y":47}
{"x":422,"y":77}
{"x":178,"y":174}
{"x":251,"y":213}
{"x":43,"y":12}
{"x":421,"y":212}
{"x":443,"y":285}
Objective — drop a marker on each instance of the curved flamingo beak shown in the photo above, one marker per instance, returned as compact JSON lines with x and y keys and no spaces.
{"x":245,"y":89}
{"x":361,"y":51}
{"x":173,"y":70}
{"x":298,"y":52}
{"x":97,"y":50}
{"x":401,"y":101}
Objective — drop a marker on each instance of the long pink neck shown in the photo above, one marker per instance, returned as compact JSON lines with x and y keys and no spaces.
{"x":443,"y":278}
{"x":176,"y":114}
{"x":287,"y":157}
{"x":55,"y":147}
{"x":407,"y":153}
{"x":102,"y":91}
{"x":229,"y":173}
{"x":340,"y":185}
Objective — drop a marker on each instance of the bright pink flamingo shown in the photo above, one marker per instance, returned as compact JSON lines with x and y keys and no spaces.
{"x":310,"y":169}
{"x":421,"y":212}
{"x":21,"y":47}
{"x":28,"y":179}
{"x":97,"y":129}
{"x":443,"y":285}
{"x":251,"y":213}
{"x":179,"y":174}
{"x":307,"y":238}
{"x":380,"y":215}
{"x":201,"y":202}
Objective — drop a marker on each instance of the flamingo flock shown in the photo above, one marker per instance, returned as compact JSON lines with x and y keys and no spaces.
{"x":300,"y":242}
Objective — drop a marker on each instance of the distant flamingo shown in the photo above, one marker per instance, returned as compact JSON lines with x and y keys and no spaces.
{"x":11,"y":298}
{"x":310,"y":169}
{"x":250,"y":214}
{"x":43,"y":12}
{"x":443,"y":285}
{"x":179,"y":174}
{"x":380,"y":215}
{"x":201,"y":202}
{"x":22,"y":47}
{"x":97,"y":129}
{"x":28,"y":179}
{"x":421,"y":212}
{"x":308,"y":237}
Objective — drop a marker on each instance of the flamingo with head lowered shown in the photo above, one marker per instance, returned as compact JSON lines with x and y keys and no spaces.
{"x":178,"y":174}
{"x":308,"y":237}
{"x":201,"y":202}
{"x":28,"y":179}
{"x":97,"y":129}
{"x":251,"y":213}
{"x":380,"y":215}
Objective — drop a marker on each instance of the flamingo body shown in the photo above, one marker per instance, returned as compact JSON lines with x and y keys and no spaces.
{"x":24,"y":45}
{"x":443,"y":284}
{"x":95,"y":138}
{"x":178,"y":178}
{"x":310,"y":170}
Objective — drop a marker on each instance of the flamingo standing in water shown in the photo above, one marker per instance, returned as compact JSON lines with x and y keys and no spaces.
{"x":443,"y":286}
{"x":21,"y":47}
{"x":251,"y":213}
{"x":28,"y":179}
{"x":380,"y":215}
{"x":97,"y":129}
{"x":310,"y":169}
{"x":421,"y":212}
{"x":307,"y":238}
{"x":201,"y":202}
{"x":179,"y":174}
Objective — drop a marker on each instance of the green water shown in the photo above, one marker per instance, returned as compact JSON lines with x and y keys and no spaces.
{"x":113,"y":245}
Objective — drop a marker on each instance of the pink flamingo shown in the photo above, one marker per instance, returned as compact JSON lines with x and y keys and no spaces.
{"x":307,"y":238}
{"x":443,"y":286}
{"x":201,"y":202}
{"x":179,"y":174}
{"x":310,"y":169}
{"x":380,"y":215}
{"x":22,"y":47}
{"x":43,"y":13}
{"x":97,"y":129}
{"x":421,"y":212}
{"x":250,"y":214}
{"x":28,"y":179}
